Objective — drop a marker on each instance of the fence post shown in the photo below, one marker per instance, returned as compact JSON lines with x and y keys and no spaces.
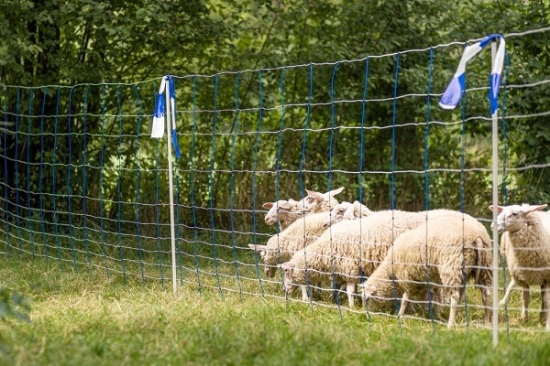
{"x":168,"y":116}
{"x":495,"y":211}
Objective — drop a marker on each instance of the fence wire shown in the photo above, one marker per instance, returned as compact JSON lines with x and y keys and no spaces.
{"x":85,"y":187}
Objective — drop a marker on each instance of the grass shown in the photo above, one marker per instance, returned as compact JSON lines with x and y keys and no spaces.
{"x":77,"y":319}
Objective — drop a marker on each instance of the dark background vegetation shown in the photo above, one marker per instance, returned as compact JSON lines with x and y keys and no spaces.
{"x":78,"y":80}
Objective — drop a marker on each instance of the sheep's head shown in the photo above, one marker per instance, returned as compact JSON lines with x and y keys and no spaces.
{"x":314,"y":199}
{"x":280,"y":211}
{"x":338,"y":213}
{"x":288,"y":284}
{"x":513,"y":218}
{"x":367,"y":291}
{"x":359,"y":210}
{"x":262,"y":250}
{"x":346,"y":211}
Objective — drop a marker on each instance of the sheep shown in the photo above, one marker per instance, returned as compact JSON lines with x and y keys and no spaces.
{"x":351,"y":247}
{"x":318,"y":202}
{"x":347,"y":211}
{"x":526,"y":235}
{"x":445,"y":251}
{"x":280,"y":247}
{"x":285,"y":212}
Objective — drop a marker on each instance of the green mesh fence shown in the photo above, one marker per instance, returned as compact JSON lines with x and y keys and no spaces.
{"x":84,"y":186}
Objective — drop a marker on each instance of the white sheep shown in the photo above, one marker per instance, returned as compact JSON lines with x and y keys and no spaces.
{"x":318,"y":202}
{"x":347,"y":211}
{"x":526,"y":237}
{"x":280,"y":247}
{"x":351,"y":247}
{"x":444,"y":252}
{"x":285,"y":212}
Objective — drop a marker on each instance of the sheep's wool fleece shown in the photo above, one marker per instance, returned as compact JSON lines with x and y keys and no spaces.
{"x":438,"y":251}
{"x":352,"y":246}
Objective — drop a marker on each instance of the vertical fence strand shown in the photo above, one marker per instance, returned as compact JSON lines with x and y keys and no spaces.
{"x":69,"y":170}
{"x":101,"y":177}
{"x":54,"y":180}
{"x":427,"y":182}
{"x":28,"y":163}
{"x":41,"y":173}
{"x":392,"y":164}
{"x":84,"y":172}
{"x":232,"y":186}
{"x":212,"y":189}
{"x":192,"y":184}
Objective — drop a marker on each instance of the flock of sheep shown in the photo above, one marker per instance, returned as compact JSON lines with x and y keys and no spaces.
{"x":428,"y":256}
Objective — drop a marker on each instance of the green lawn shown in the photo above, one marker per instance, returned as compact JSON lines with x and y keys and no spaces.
{"x":78,"y":319}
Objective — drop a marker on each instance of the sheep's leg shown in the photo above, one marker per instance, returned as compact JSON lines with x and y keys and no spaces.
{"x":305,"y":294}
{"x":350,"y":289}
{"x":485,"y":299}
{"x":455,"y":299}
{"x":509,"y":289}
{"x":404,"y":302}
{"x":545,"y":315}
{"x":526,"y":297}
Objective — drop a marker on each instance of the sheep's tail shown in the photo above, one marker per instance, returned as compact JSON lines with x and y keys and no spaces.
{"x":484,"y":262}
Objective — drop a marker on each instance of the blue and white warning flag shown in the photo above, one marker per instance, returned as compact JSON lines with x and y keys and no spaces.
{"x":168,"y":84}
{"x":172,"y":91}
{"x":452,"y":95}
{"x":160,"y":111}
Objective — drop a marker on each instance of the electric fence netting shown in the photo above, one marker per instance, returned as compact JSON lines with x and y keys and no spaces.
{"x":85,"y":187}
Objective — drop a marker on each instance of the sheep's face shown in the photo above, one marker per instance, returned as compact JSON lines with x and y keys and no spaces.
{"x":264,"y":253}
{"x":515,"y":217}
{"x":288,"y":283}
{"x":314,"y":199}
{"x":280,"y":211}
{"x":269,"y":256}
{"x":308,"y":203}
{"x":367,"y":292}
{"x":337,"y":214}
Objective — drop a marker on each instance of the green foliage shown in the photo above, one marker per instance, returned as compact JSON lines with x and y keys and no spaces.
{"x":83,"y":43}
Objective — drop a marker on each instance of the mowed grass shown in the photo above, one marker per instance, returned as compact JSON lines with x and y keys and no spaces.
{"x":82,"y":320}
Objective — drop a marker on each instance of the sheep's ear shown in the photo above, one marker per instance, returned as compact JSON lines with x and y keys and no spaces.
{"x":313,"y":195}
{"x":535,"y":208}
{"x":257,"y":247}
{"x":499,"y":208}
{"x":268,"y":204}
{"x":334,"y":192}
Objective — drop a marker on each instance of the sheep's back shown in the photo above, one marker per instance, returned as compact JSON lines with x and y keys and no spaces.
{"x":297,"y":236}
{"x":443,"y":247}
